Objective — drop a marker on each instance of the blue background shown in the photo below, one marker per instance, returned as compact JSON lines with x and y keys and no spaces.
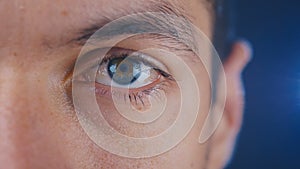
{"x":270,"y":137}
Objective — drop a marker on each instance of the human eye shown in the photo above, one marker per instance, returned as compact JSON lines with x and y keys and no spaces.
{"x":130,"y":69}
{"x":129,"y":75}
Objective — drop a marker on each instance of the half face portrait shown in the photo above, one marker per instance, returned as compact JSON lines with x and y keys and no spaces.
{"x":131,"y":84}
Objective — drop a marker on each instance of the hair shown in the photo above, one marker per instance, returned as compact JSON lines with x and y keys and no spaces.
{"x":224,"y":25}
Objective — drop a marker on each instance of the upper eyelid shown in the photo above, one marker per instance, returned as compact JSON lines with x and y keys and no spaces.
{"x":147,"y":59}
{"x":165,"y":42}
{"x":93,"y":60}
{"x":91,"y":56}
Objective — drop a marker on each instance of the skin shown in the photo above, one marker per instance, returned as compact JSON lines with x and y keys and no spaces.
{"x":38,"y":127}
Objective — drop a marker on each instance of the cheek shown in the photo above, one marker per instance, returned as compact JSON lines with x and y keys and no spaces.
{"x":188,"y":154}
{"x":80,"y":152}
{"x":83,"y":153}
{"x":157,"y":113}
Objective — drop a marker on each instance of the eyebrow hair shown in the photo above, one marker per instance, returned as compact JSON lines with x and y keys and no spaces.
{"x":177,"y":27}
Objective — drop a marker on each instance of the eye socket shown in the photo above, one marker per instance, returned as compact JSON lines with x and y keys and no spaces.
{"x":129,"y":69}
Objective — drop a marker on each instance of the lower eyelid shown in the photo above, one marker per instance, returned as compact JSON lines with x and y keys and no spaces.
{"x":106,"y":91}
{"x":139,"y":98}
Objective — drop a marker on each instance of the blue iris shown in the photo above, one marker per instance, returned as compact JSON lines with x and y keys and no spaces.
{"x":124,"y":71}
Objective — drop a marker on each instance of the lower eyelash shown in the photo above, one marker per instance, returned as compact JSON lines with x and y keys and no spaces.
{"x":138,"y":98}
{"x":135,"y":96}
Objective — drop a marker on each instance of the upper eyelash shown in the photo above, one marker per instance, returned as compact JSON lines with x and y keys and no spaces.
{"x":125,"y":52}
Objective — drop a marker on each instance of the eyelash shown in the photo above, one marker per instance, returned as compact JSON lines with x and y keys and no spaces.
{"x":138,"y":95}
{"x":135,"y":96}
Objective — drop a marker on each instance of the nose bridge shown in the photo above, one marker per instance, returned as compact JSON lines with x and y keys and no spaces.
{"x":13,"y":91}
{"x":15,"y":113}
{"x":16,"y":80}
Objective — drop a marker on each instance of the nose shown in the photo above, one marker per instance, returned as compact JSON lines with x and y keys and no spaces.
{"x":15,"y":113}
{"x":21,"y":118}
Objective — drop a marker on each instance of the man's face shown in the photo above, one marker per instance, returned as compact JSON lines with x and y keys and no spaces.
{"x":40,"y":41}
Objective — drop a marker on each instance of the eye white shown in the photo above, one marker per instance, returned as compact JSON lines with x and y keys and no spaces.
{"x":146,"y":77}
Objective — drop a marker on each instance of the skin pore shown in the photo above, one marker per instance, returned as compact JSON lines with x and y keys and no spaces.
{"x":39,"y":43}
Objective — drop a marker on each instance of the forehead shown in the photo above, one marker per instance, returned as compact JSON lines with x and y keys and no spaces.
{"x":35,"y":22}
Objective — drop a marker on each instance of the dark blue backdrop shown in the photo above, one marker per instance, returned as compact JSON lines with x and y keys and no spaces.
{"x":270,"y":138}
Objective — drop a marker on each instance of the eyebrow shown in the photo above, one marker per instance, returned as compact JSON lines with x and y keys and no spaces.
{"x":172,"y":22}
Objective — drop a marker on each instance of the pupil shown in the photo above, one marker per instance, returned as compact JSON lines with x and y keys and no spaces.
{"x":123,"y":68}
{"x":124,"y":71}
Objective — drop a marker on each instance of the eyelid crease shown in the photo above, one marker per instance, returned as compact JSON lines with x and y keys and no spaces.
{"x":146,"y":59}
{"x":157,"y":41}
